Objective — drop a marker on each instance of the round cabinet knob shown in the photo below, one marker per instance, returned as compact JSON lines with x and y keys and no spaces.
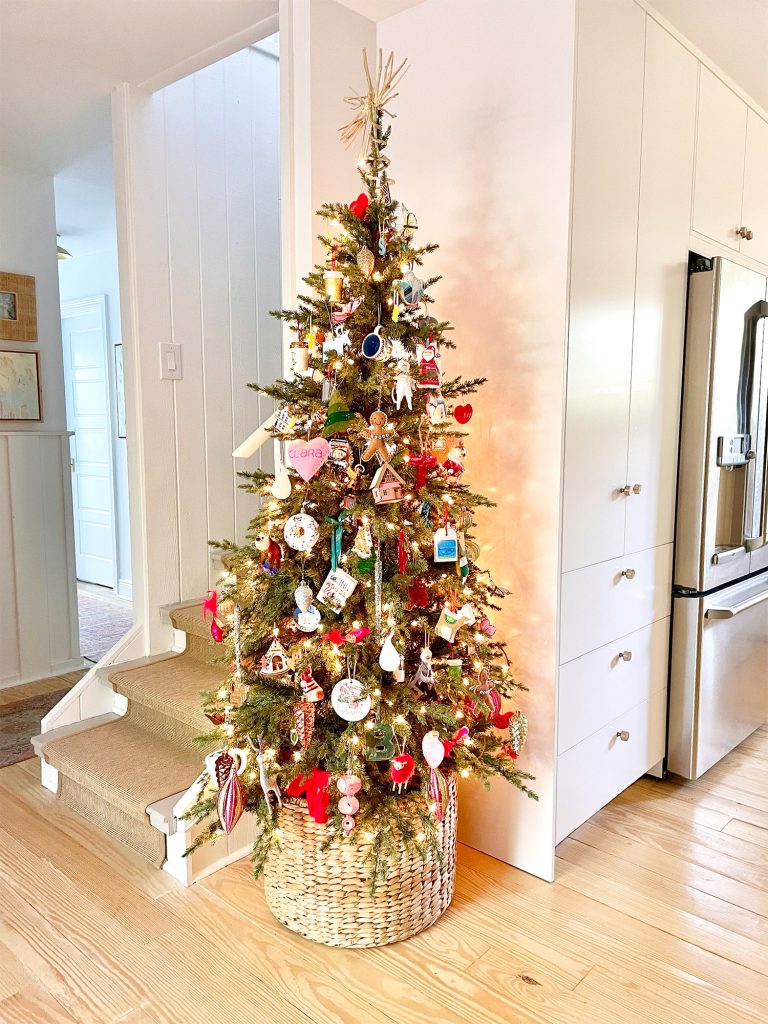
{"x":623,"y":735}
{"x":744,"y":232}
{"x":626,"y":489}
{"x":628,"y":573}
{"x":637,"y":488}
{"x":625,"y":655}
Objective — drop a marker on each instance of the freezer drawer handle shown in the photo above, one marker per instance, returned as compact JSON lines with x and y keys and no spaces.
{"x":725,"y":612}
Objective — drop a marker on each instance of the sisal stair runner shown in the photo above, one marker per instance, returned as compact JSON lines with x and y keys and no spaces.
{"x":110,"y":774}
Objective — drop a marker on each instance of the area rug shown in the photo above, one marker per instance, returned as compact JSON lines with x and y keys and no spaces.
{"x":102,"y":624}
{"x":20,"y":722}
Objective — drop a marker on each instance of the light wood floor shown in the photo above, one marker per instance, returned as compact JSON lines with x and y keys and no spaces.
{"x":659,"y":914}
{"x":13,"y":694}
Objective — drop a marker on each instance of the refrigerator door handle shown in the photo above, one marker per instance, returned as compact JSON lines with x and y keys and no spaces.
{"x":728,"y":612}
{"x":752,"y":423}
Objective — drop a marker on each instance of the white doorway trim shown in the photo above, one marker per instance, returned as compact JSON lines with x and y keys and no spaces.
{"x":97,"y":304}
{"x":153,"y":634}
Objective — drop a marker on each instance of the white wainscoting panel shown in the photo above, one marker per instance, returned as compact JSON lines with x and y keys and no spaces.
{"x":38,"y":624}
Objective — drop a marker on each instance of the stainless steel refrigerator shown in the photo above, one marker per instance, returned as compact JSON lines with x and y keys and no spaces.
{"x":719,"y":666}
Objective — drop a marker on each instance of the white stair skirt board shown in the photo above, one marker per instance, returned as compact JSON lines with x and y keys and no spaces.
{"x":166,"y":816}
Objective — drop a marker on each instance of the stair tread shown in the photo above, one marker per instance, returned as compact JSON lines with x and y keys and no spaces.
{"x":171,"y":686}
{"x":126,"y":765}
{"x":189,"y":619}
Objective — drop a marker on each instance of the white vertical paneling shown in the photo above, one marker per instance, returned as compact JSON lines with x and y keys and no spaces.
{"x":241,"y":105}
{"x":10,"y":661}
{"x":185,"y":296}
{"x":211,"y":158}
{"x":28,"y":515}
{"x":203,"y":209}
{"x":38,"y":632}
{"x":666,"y":183}
{"x":265,"y":145}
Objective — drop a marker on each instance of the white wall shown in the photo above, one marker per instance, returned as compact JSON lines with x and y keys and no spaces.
{"x":38,"y":623}
{"x":481,"y":151}
{"x":197,"y":185}
{"x":86,"y":217}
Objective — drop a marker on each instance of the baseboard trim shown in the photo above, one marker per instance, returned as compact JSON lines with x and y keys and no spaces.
{"x":71,"y":665}
{"x":125,"y":589}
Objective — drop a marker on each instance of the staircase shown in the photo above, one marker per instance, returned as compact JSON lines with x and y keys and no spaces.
{"x":129,"y":773}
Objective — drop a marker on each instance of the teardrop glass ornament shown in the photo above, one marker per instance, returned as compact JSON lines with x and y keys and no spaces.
{"x":389,"y":658}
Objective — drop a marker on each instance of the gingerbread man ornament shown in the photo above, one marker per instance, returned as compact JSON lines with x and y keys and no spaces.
{"x":376,"y":436}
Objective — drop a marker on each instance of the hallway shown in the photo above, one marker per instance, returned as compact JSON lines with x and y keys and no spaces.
{"x":659,"y":912}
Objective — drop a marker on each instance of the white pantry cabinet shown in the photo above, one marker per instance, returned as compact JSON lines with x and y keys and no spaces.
{"x":636,"y":103}
{"x":606,"y":183}
{"x":721,"y":138}
{"x":730,"y":202}
{"x":669,"y":123}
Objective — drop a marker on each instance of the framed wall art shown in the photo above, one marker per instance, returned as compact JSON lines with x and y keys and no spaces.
{"x":18,"y":307}
{"x":20,"y":386}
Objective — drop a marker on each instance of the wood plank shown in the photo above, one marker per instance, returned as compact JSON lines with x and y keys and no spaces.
{"x":672,"y":893}
{"x":746,"y":830}
{"x":18,"y":789}
{"x":33,"y":1006}
{"x":723,"y":853}
{"x":679,"y":790}
{"x":626,"y":852}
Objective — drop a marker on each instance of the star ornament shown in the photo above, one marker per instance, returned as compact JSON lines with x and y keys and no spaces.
{"x":368,"y":107}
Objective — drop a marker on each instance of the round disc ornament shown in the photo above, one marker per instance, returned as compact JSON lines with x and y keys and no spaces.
{"x":301,"y":532}
{"x":348,"y":700}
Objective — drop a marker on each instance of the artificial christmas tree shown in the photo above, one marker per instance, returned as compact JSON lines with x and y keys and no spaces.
{"x":365,"y":670}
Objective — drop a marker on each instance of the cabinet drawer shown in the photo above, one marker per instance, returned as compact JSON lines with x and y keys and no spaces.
{"x":596,"y":770}
{"x":598,"y":686}
{"x":602,"y":602}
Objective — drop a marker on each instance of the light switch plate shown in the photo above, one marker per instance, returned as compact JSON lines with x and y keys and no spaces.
{"x":170,"y":361}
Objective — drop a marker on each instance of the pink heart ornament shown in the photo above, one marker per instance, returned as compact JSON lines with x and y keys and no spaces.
{"x":308,"y":457}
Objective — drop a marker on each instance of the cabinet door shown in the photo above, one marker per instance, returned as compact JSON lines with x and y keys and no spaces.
{"x":666,"y":173}
{"x":721,"y":136}
{"x":609,"y":100}
{"x":754,"y":211}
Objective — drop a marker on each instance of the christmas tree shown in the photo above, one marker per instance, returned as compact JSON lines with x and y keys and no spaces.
{"x":364,"y":666}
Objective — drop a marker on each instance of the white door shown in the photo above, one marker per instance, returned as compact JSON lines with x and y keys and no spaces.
{"x":89,"y":415}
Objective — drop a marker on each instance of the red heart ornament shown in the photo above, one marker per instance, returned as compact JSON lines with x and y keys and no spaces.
{"x":307,"y":457}
{"x":463,"y":413}
{"x":359,"y":206}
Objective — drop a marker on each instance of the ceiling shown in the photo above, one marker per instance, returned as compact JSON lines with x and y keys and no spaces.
{"x":732,"y":33}
{"x":62,"y":58}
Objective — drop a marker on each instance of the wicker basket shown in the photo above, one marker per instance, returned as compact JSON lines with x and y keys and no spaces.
{"x":324,"y":895}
